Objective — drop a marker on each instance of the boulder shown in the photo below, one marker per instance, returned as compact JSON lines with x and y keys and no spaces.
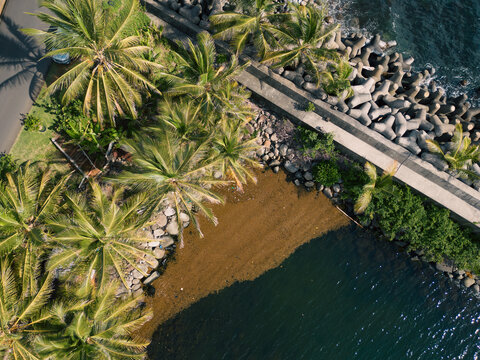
{"x":468,"y":282}
{"x":172,"y":228}
{"x":444,"y":267}
{"x":166,"y":241}
{"x":158,"y":253}
{"x":291,"y":168}
{"x":158,"y":233}
{"x":153,"y":276}
{"x":161,"y":220}
{"x":169,"y":211}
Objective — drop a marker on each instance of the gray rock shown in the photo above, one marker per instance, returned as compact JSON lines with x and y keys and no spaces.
{"x":283,"y":150}
{"x":158,"y":253}
{"x":172,"y":228}
{"x":274,"y":137}
{"x":154,"y":243}
{"x":169,"y":211}
{"x":166,"y":241}
{"x":276,"y":169}
{"x":309,"y":184}
{"x":158,"y":233}
{"x":476,"y":288}
{"x":328,"y":192}
{"x":217,"y":175}
{"x":308,"y":176}
{"x":291,"y":168}
{"x":468,"y":282}
{"x":153,"y":276}
{"x":336,"y":188}
{"x":444,"y":267}
{"x":161,"y":220}
{"x":136,"y":286}
{"x":296,"y":182}
{"x":137,"y":274}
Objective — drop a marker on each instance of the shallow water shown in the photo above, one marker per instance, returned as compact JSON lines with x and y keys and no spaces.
{"x":342,"y":296}
{"x":442,"y":33}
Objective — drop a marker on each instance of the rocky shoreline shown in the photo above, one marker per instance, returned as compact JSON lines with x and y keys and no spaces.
{"x":404,"y":106}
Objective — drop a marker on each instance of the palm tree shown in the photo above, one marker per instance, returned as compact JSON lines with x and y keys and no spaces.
{"x":200,"y":78}
{"x":462,"y":155}
{"x":302,"y":40}
{"x":22,"y":311}
{"x":28,"y":198}
{"x":185,"y":119}
{"x":375,"y":185}
{"x":336,"y":82}
{"x":109,"y":58}
{"x":168,"y":169}
{"x":254,"y":20}
{"x":101,"y":235}
{"x":99,"y":326}
{"x":234,"y":154}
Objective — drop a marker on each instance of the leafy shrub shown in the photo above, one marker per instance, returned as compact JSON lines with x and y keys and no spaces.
{"x":326,"y":172}
{"x":222,"y":58}
{"x":354,"y":178}
{"x":314,"y":142}
{"x":31,"y":122}
{"x":403,"y":215}
{"x":310,"y":107}
{"x":80,"y":130}
{"x":7,"y":165}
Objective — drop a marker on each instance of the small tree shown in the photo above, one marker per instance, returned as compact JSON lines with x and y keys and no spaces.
{"x":462,"y":156}
{"x":375,"y":185}
{"x":302,"y":39}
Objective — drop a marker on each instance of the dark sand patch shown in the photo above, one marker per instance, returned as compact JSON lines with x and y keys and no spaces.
{"x":257,"y":230}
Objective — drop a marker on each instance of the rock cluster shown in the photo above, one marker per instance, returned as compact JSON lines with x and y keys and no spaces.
{"x":163,"y":235}
{"x":279,"y":148}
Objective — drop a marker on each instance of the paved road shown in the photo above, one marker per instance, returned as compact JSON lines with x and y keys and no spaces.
{"x":21,"y":72}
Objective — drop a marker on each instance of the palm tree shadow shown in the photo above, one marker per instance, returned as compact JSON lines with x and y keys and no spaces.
{"x":21,"y":59}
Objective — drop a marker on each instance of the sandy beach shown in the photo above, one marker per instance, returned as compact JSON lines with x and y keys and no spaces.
{"x":257,"y":230}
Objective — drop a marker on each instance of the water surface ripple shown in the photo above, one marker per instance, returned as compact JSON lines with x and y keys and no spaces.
{"x":342,"y":296}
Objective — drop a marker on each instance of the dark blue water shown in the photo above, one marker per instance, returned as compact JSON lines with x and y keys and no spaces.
{"x":342,"y":296}
{"x":442,"y":33}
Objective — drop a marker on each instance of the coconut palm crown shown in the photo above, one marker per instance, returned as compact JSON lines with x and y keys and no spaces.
{"x":302,"y":39}
{"x":375,"y":184}
{"x":98,"y":326}
{"x":22,"y":311}
{"x":101,"y":235}
{"x":176,"y":172}
{"x":200,"y":78}
{"x":234,"y":154}
{"x":28,"y":199}
{"x":254,"y":20}
{"x":462,"y":154}
{"x":109,"y":59}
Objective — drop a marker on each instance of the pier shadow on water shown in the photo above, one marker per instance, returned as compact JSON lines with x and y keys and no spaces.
{"x":345,"y":295}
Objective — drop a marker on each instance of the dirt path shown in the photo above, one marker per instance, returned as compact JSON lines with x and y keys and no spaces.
{"x":257,"y":230}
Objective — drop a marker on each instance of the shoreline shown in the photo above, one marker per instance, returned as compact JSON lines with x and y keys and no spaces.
{"x":232,"y":251}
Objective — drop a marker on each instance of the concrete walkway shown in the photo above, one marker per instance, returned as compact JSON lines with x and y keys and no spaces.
{"x":21,"y":71}
{"x":352,"y":137}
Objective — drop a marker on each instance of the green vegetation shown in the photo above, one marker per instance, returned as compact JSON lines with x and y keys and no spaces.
{"x":302,"y":39}
{"x":31,"y":122}
{"x":462,"y":155}
{"x":314,"y":142}
{"x":310,"y":107}
{"x":335,"y":82}
{"x":254,"y":21}
{"x":108,"y":74}
{"x":182,"y":142}
{"x":326,"y":172}
{"x":374,"y":185}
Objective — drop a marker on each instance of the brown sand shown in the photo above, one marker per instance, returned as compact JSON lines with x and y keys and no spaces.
{"x":257,"y":230}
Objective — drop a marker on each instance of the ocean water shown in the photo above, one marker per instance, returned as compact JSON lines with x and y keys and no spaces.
{"x":442,"y":33}
{"x":345,"y":295}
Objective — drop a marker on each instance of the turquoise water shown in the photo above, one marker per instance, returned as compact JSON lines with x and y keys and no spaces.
{"x":442,"y":33}
{"x":342,"y":296}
